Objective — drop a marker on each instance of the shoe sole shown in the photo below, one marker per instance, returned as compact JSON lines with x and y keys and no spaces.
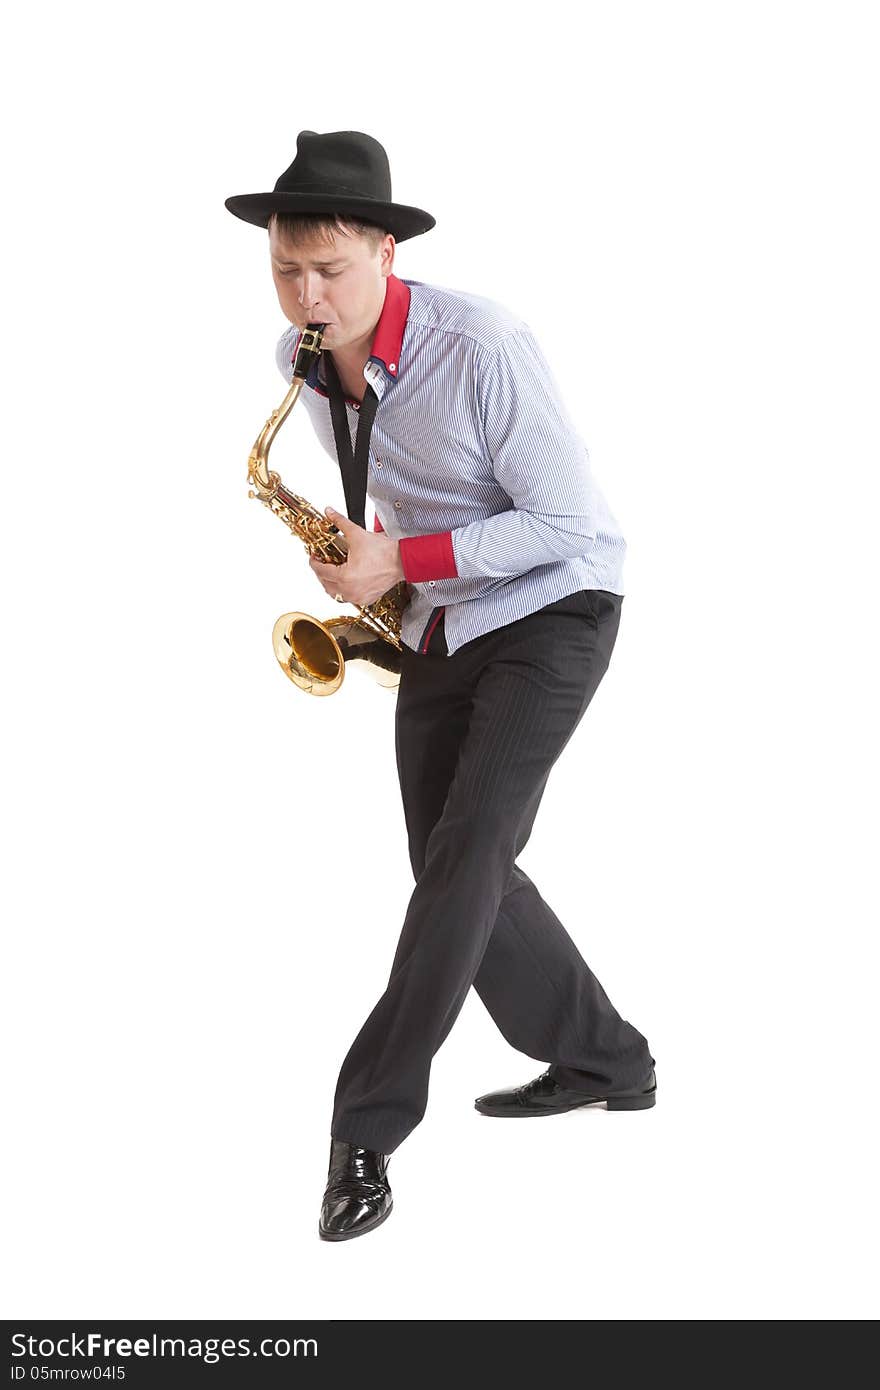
{"x":610,"y":1102}
{"x":360,"y":1230}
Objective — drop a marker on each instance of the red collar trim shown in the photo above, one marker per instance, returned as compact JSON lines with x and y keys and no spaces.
{"x":388,"y":337}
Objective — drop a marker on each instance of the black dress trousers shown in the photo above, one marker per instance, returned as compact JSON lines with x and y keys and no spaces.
{"x":477,"y":734}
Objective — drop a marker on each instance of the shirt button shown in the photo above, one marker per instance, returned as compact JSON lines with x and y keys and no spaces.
{"x":398,"y":504}
{"x":378,"y":463}
{"x":431,"y":583}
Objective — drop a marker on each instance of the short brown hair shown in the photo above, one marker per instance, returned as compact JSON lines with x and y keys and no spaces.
{"x":309,"y":226}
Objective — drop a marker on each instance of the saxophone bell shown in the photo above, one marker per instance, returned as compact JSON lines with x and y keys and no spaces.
{"x":315,"y":655}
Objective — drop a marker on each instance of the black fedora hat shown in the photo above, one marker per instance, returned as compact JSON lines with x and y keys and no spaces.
{"x":344,"y":172}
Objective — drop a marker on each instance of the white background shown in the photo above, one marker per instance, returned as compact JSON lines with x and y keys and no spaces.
{"x":207,"y":869}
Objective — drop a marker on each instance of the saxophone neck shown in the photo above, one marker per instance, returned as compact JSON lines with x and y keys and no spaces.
{"x":308,"y":352}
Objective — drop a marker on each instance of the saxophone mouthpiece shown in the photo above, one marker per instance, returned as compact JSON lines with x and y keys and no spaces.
{"x":308,"y":350}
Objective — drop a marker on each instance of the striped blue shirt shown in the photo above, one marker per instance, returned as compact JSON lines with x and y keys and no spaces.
{"x":475,"y":466}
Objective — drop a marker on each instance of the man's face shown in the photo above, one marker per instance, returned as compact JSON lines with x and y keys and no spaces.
{"x":340,"y":283}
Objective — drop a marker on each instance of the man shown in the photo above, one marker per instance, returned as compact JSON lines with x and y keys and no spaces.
{"x":486,"y":506}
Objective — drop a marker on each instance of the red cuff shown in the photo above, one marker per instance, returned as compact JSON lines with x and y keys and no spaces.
{"x":428,"y":557}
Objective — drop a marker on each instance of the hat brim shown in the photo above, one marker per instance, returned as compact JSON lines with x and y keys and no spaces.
{"x":401,"y":221}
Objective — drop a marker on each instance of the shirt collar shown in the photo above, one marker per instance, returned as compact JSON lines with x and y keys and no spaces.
{"x":383,"y":364}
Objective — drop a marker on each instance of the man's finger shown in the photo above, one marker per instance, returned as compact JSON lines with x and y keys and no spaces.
{"x":343,"y":522}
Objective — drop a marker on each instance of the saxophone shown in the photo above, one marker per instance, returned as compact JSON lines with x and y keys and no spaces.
{"x":314,"y":654}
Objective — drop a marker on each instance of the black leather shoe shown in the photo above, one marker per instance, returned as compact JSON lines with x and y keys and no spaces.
{"x":357,"y":1196}
{"x":544,"y":1096}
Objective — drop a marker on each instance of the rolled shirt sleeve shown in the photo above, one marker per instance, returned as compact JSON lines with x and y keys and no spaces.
{"x":539,"y":460}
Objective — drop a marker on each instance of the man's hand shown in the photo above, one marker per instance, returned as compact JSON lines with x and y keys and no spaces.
{"x":372,"y":568}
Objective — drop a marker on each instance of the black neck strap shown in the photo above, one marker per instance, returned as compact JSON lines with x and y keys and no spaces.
{"x":352,"y":464}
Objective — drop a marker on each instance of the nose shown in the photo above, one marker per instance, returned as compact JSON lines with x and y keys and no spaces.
{"x":307,"y":298}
